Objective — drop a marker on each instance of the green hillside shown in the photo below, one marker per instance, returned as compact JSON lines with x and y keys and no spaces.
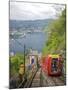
{"x":15,"y":62}
{"x":56,"y":42}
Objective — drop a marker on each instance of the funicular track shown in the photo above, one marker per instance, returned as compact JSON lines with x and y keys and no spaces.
{"x":30,"y":81}
{"x":51,"y":80}
{"x":37,"y":79}
{"x":41,"y":79}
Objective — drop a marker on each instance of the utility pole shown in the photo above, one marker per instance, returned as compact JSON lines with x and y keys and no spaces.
{"x":24,"y":58}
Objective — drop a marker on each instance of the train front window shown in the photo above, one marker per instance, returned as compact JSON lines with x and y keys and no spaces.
{"x":54,"y":64}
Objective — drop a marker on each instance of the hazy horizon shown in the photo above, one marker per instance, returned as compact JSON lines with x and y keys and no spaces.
{"x":34,"y":11}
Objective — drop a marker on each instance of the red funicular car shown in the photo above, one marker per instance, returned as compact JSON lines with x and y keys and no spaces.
{"x":52,"y":64}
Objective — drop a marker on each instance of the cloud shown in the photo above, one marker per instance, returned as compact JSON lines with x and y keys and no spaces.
{"x":32,"y":11}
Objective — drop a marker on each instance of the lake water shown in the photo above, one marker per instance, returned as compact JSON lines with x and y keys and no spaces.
{"x":35,"y":40}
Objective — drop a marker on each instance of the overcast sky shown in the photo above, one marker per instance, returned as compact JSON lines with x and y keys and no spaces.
{"x":33,"y":11}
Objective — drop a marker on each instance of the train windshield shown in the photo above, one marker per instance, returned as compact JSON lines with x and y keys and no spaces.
{"x":54,"y":64}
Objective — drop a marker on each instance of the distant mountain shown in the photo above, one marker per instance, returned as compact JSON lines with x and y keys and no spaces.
{"x":30,"y":24}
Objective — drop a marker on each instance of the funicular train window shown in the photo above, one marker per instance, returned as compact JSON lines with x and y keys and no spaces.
{"x":54,"y":64}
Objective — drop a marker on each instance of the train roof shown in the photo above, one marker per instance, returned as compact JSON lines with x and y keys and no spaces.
{"x":53,"y":55}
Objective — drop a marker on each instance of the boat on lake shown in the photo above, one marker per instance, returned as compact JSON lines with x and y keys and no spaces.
{"x":23,"y":35}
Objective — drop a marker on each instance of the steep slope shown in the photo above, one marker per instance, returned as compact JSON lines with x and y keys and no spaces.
{"x":56,"y":38}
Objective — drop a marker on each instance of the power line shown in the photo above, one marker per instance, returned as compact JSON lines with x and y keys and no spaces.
{"x":18,"y":42}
